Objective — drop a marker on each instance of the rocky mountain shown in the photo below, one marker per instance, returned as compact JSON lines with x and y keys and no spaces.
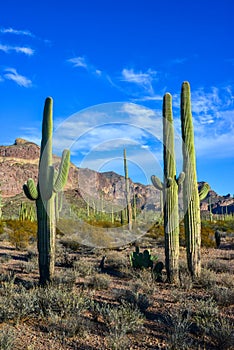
{"x":19,"y":161}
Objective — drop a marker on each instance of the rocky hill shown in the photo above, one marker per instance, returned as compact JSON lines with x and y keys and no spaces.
{"x":19,"y":161}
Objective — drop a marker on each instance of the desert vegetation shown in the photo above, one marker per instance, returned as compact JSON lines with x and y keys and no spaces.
{"x":77,"y":277}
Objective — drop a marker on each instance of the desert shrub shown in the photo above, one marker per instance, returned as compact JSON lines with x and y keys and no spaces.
{"x":136,"y":299}
{"x":61,"y":301}
{"x":122,"y":319}
{"x":143,"y":280}
{"x":205,"y":314}
{"x":207,"y":278}
{"x":5,"y":257}
{"x":84,"y":268}
{"x":103,"y":223}
{"x":224,"y":296}
{"x":21,"y":233}
{"x":222,"y":333}
{"x":70,"y":244}
{"x":178,"y":325}
{"x":99,"y":281}
{"x":27,"y":267}
{"x":31,"y":255}
{"x":16,"y":302}
{"x":186,"y":282}
{"x":116,"y":260}
{"x":64,"y":278}
{"x":2,"y":227}
{"x":7,"y":338}
{"x":74,"y":325}
{"x":218,"y":266}
{"x":226,"y":279}
{"x":156,"y":231}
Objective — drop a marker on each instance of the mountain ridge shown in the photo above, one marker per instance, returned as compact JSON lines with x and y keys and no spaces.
{"x":19,"y":161}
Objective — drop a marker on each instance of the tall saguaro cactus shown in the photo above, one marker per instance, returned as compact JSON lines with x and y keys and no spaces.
{"x":191,"y":196}
{"x":50,"y":183}
{"x":127,"y":192}
{"x":170,"y":193}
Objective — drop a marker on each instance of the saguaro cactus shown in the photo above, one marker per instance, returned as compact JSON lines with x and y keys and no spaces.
{"x":44,"y":193}
{"x":127,"y":192}
{"x":170,"y":193}
{"x":191,"y":196}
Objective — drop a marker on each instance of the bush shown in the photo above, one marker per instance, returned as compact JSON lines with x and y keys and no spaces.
{"x":7,"y":338}
{"x":21,"y":232}
{"x":122,"y":319}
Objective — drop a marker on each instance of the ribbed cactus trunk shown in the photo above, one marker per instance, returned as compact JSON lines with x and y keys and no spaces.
{"x":127,"y":192}
{"x":170,"y":194}
{"x":171,"y":215}
{"x":192,"y":221}
{"x":50,"y":182}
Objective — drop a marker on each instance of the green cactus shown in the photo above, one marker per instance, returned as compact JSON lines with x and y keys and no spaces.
{"x":44,"y":193}
{"x":191,"y":196}
{"x":139,"y":260}
{"x":170,"y":193}
{"x":127,"y":192}
{"x":26,"y":212}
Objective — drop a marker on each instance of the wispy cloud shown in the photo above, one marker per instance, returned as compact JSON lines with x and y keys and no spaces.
{"x":16,"y":31}
{"x":82,"y":62}
{"x":11,"y":74}
{"x":143,"y":79}
{"x":213,"y":111}
{"x":78,"y":62}
{"x":19,"y":49}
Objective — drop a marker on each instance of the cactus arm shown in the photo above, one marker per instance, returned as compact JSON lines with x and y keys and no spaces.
{"x":180,"y":178}
{"x":47,"y":129}
{"x":204,"y":191}
{"x":63,"y":172}
{"x":157,"y":182}
{"x":30,"y":190}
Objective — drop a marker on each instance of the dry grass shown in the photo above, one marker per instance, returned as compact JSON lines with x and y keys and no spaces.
{"x":116,"y":307}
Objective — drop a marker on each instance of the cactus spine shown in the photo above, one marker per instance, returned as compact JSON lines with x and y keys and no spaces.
{"x":44,"y":193}
{"x":127,"y":192}
{"x":170,"y":193}
{"x":191,"y":196}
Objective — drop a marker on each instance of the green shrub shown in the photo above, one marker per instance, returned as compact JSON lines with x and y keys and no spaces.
{"x":21,"y":232}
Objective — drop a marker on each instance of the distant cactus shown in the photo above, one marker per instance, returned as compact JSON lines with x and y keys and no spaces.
{"x":191,"y":198}
{"x":44,"y":193}
{"x":127,"y":193}
{"x":26,"y":212}
{"x":170,"y":193}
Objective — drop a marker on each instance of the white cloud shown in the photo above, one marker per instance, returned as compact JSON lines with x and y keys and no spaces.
{"x":82,"y":62}
{"x":20,"y":80}
{"x":143,"y":79}
{"x":213,"y":120}
{"x":16,"y":32}
{"x":26,"y":50}
{"x":78,"y":62}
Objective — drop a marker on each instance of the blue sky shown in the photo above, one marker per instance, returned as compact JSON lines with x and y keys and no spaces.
{"x":107,"y":65}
